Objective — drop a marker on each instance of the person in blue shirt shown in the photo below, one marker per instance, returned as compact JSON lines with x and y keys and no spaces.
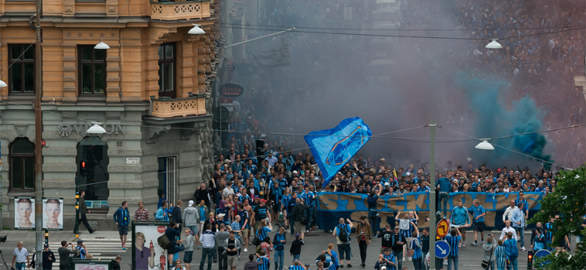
{"x":511,"y":251}
{"x":453,"y":239}
{"x":386,"y":259}
{"x":264,"y":263}
{"x":343,"y":244}
{"x":416,"y":246}
{"x":122,"y":220}
{"x":162,"y":214}
{"x":297,"y":265}
{"x":279,"y":241}
{"x":335,"y":263}
{"x":263,"y":230}
{"x":444,"y":186}
{"x":371,"y":202}
{"x":460,"y":219}
{"x":478,"y":212}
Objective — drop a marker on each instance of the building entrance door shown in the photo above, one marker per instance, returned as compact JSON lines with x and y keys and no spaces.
{"x":167,"y":174}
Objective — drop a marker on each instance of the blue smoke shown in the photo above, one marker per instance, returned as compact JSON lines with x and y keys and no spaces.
{"x":524,"y":121}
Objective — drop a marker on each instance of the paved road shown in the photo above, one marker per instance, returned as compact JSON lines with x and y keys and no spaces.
{"x":315,"y":242}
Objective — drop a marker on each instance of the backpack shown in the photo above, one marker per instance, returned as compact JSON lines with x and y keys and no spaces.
{"x":344,"y":236}
{"x":163,"y":241}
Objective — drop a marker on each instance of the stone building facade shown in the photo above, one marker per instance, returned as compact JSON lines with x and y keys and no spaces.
{"x":150,"y":91}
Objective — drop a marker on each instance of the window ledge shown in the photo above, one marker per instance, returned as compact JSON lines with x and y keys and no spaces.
{"x":20,"y":193}
{"x":91,"y":98}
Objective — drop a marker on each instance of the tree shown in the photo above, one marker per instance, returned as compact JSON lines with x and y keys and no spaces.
{"x":568,"y":201}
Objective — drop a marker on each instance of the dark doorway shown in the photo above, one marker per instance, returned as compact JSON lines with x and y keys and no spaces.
{"x":92,"y":171}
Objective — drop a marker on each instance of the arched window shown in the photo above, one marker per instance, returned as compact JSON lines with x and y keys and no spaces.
{"x":22,"y":165}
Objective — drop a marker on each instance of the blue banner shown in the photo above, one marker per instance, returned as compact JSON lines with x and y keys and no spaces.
{"x":333,"y":148}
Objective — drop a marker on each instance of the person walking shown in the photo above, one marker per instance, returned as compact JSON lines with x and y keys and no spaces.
{"x":47,"y":260}
{"x":82,"y":215}
{"x":538,"y":240}
{"x":500,"y":256}
{"x":397,"y":242}
{"x":508,"y":229}
{"x":65,"y":255}
{"x":511,"y":251}
{"x":221,"y":237}
{"x":263,"y":261}
{"x":297,"y":265}
{"x":489,"y":246}
{"x":299,"y":217}
{"x":386,"y":238}
{"x":176,"y":213}
{"x":141,"y":214}
{"x":162,"y":213}
{"x":386,"y":260}
{"x":342,"y":233}
{"x":122,"y":220}
{"x":363,"y":229}
{"x":279,"y":241}
{"x":372,"y":202}
{"x":295,"y":249}
{"x":115,"y":263}
{"x":191,"y":218}
{"x":173,"y":233}
{"x":188,"y":243}
{"x":478,"y":212}
{"x":208,"y":243}
{"x":251,"y":264}
{"x":416,"y":251}
{"x":460,"y":219}
{"x":232,"y":248}
{"x":518,"y":223}
{"x":20,"y":257}
{"x":81,"y":251}
{"x":453,"y":239}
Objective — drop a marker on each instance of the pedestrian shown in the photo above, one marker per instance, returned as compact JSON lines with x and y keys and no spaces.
{"x":173,"y":233}
{"x":82,"y":215}
{"x":232,"y":249}
{"x":202,"y":211}
{"x":237,"y":229}
{"x":508,"y":210}
{"x":508,"y":229}
{"x":478,"y":212}
{"x":264,"y":263}
{"x":262,"y":232}
{"x":517,"y":219}
{"x":261,"y":212}
{"x":162,"y":213}
{"x":453,"y":239}
{"x":191,"y":218}
{"x":363,"y":230}
{"x":279,"y":241}
{"x":115,"y":263}
{"x":386,"y":238}
{"x":538,"y":237}
{"x":334,"y":259}
{"x":406,"y":228}
{"x":416,"y":251}
{"x":221,"y":237}
{"x":81,"y":251}
{"x":460,"y":219}
{"x":202,"y":194}
{"x":208,"y":243}
{"x":295,"y":249}
{"x":397,"y":243}
{"x":500,"y":256}
{"x":65,"y":255}
{"x":20,"y":257}
{"x":177,"y":215}
{"x":299,"y":217}
{"x":511,"y":251}
{"x":342,"y":233}
{"x":372,"y":202}
{"x":188,"y":243}
{"x":386,"y":260}
{"x":141,"y":214}
{"x":297,"y":265}
{"x":47,"y":261}
{"x":122,"y":220}
{"x":489,"y":246}
{"x":211,"y":220}
{"x":251,"y":264}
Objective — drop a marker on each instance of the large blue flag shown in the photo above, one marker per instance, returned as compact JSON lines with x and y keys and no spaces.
{"x":333,"y":148}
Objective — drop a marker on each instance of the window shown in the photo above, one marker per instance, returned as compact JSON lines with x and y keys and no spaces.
{"x":91,"y":70}
{"x":167,"y":70}
{"x":167,"y":172}
{"x":21,"y":62}
{"x":22,"y":165}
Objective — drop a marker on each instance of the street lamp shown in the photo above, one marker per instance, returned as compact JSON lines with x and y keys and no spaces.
{"x":102,"y":46}
{"x":3,"y":84}
{"x":196,"y":30}
{"x":95,"y":129}
{"x":484,"y":145}
{"x":495,"y":45}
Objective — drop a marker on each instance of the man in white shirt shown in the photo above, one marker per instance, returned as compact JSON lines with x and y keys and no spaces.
{"x":208,"y":242}
{"x":509,"y":210}
{"x":20,"y":257}
{"x":508,"y":229}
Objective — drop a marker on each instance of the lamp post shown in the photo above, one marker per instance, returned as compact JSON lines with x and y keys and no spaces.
{"x":432,"y":208}
{"x":38,"y":137}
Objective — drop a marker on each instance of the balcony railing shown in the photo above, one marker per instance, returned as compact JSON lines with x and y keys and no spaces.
{"x":194,"y":105}
{"x":180,"y":10}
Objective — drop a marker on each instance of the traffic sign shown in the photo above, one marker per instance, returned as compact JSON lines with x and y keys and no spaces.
{"x":442,"y":249}
{"x":442,"y":228}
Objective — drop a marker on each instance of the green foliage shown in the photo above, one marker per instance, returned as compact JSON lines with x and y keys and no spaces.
{"x":564,"y":260}
{"x":569,"y":202}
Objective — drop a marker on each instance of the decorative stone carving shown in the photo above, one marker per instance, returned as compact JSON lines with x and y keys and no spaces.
{"x":153,"y":133}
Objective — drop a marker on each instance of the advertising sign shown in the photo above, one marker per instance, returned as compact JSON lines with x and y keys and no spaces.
{"x":24,"y":213}
{"x":53,"y":213}
{"x":146,"y":252}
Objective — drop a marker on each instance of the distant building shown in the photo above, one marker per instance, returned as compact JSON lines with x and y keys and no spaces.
{"x":150,"y":91}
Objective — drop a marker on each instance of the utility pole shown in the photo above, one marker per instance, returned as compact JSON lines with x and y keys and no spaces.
{"x":38,"y":138}
{"x":432,"y":210}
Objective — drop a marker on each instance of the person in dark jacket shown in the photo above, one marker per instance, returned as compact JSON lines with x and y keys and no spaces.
{"x":82,"y":215}
{"x":48,"y":259}
{"x":122,"y":220}
{"x":115,"y":264}
{"x":202,"y":194}
{"x":65,"y":253}
{"x":177,"y":214}
{"x":173,"y":232}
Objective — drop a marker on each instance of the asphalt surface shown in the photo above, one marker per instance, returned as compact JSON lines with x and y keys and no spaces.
{"x":315,"y":242}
